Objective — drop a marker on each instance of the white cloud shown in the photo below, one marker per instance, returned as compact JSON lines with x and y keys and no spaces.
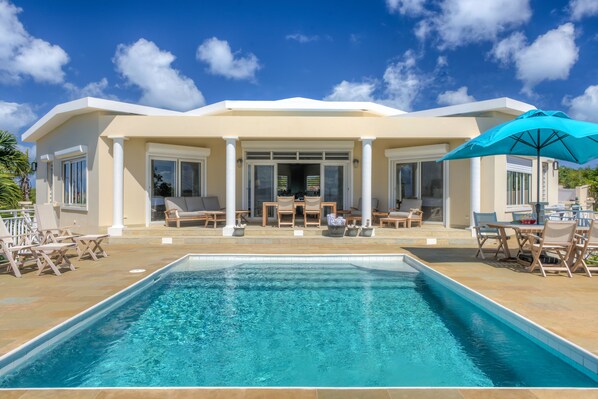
{"x":301,"y":38}
{"x":14,"y":116}
{"x":550,"y":57}
{"x":221,"y":61}
{"x":93,"y":89}
{"x":144,"y":65}
{"x":584,"y":107}
{"x":460,"y":22}
{"x":349,"y":91}
{"x":583,"y":8}
{"x":407,"y":7}
{"x":401,"y":83}
{"x":459,"y":96}
{"x":441,"y":61}
{"x":24,"y":55}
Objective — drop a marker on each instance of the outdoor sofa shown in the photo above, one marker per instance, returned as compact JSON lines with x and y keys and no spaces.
{"x":189,"y":208}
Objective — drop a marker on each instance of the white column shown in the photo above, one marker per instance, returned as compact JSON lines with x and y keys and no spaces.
{"x":366,"y":179}
{"x":118,"y":155}
{"x":231,"y":182}
{"x":475,"y":193}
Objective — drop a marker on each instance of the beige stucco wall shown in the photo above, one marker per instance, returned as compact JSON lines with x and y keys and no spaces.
{"x":80,"y":130}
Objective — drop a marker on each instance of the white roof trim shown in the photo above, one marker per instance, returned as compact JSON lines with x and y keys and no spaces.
{"x":179,"y":151}
{"x":296,"y":104}
{"x":71,"y":152}
{"x":504,"y":104}
{"x":296,"y":145}
{"x":62,"y":112}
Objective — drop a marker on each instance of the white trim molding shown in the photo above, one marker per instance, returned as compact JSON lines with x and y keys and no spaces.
{"x":46,"y":158}
{"x":178,"y":151}
{"x":71,"y":152}
{"x":297,"y":145}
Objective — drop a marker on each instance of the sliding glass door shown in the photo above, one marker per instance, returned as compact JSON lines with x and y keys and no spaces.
{"x":423,"y":180}
{"x":334,"y":184}
{"x":261,"y":187}
{"x":164,"y":179}
{"x":172,"y":178}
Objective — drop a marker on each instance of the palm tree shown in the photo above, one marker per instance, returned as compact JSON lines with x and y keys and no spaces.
{"x":23,"y":170}
{"x":11,"y":162}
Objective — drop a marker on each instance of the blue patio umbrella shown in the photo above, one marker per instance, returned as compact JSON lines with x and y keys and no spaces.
{"x":537,"y":133}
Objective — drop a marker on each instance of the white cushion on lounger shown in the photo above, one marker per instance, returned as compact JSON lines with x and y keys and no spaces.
{"x":398,"y":214}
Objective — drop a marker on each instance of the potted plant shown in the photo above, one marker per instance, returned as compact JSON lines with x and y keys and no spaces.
{"x":367,"y":230}
{"x":353,"y":230}
{"x":239,"y":229}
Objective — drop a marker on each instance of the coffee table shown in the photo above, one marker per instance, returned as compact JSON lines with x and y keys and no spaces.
{"x":215,"y":217}
{"x":397,"y":221}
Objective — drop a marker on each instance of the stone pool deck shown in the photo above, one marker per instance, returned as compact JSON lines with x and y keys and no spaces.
{"x":33,"y":304}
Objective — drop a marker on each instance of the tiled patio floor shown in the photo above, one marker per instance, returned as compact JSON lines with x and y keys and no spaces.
{"x":33,"y":304}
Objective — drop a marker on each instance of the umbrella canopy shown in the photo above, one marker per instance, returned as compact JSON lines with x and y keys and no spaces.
{"x":535,"y":133}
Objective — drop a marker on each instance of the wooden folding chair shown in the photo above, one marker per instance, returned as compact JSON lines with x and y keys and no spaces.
{"x":48,"y":227}
{"x":586,"y":245}
{"x":15,"y":249}
{"x":57,"y":251}
{"x":557,"y":238}
{"x":485,"y":233}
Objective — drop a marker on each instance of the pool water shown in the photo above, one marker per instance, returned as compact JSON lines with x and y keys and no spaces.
{"x":296,"y":325}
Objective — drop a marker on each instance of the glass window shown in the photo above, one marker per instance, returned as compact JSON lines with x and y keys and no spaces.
{"x":518,"y":188}
{"x":190,"y":179}
{"x":74,"y":178}
{"x":432,"y":190}
{"x":406,"y":181}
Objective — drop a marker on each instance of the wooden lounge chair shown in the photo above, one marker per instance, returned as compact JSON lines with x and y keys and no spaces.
{"x":557,"y":238}
{"x":48,"y":226}
{"x":485,"y":233}
{"x":410,"y":209}
{"x":585,"y":246}
{"x":312,"y":208}
{"x":42,"y":254}
{"x":15,"y":249}
{"x":86,"y":244}
{"x":286,"y":207}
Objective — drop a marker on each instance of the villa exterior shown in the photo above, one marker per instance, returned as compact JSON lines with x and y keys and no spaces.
{"x":108,"y":165}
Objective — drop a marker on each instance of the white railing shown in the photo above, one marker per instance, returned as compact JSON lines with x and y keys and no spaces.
{"x":20,"y":221}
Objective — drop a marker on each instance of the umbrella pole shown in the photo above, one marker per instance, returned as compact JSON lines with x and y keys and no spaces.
{"x":538,"y":188}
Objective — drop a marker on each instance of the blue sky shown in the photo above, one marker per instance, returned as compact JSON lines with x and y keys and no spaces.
{"x":410,"y":54}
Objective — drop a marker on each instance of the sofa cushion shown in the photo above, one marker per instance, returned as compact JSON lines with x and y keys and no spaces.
{"x":177,"y":203}
{"x":410,"y":203}
{"x":195,"y":204}
{"x":399,"y":214}
{"x":211,"y":203}
{"x":185,"y":215}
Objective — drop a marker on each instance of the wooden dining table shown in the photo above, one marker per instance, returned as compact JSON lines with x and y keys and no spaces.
{"x":520,"y":229}
{"x":298,"y":204}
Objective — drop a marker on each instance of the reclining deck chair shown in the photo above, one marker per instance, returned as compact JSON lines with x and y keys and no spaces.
{"x":47,"y":225}
{"x":485,"y":233}
{"x":586,"y":245}
{"x":18,"y":252}
{"x":557,"y":238}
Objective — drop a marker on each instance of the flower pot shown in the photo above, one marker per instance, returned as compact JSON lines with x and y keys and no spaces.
{"x":352,"y":231}
{"x":336,"y":231}
{"x":239,"y":231}
{"x":367,"y":231}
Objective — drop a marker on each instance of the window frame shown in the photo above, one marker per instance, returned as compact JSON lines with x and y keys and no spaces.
{"x":521,"y":167}
{"x":68,"y":204}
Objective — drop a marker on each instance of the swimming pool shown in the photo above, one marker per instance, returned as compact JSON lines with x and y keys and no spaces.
{"x":271,"y":321}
